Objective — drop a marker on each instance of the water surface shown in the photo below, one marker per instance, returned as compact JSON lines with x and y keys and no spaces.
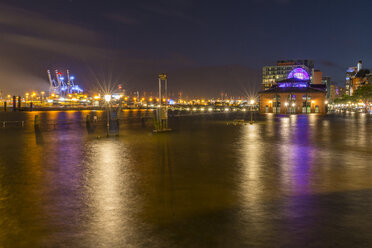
{"x":287,"y":181}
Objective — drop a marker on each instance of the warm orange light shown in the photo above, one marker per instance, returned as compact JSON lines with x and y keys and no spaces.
{"x":157,"y":99}
{"x":150,"y":99}
{"x":142,"y":99}
{"x":33,"y":94}
{"x":53,"y":95}
{"x":134,"y":98}
{"x":164,"y":100}
{"x":126,"y":98}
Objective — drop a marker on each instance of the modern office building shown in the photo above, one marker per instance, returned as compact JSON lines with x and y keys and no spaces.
{"x":273,"y":74}
{"x":357,"y":76}
{"x":294,"y":95}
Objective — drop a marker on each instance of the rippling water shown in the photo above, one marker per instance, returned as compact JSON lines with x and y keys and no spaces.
{"x":298,"y":181}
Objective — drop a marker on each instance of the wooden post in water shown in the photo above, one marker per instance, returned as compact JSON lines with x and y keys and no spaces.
{"x":19,"y":103}
{"x":14,"y":104}
{"x":5,"y":106}
{"x":36,"y":121}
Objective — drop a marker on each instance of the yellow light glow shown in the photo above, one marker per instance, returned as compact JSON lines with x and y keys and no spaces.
{"x":150,"y":99}
{"x":134,"y":98}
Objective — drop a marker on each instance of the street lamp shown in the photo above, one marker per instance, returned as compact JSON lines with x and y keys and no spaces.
{"x":286,"y":106}
{"x":108,"y":99}
{"x":251,"y":102}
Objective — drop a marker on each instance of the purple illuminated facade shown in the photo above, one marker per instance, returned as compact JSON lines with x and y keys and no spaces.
{"x":294,"y":95}
{"x":299,"y":73}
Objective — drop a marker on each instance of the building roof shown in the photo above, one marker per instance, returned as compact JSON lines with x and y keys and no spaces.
{"x":292,"y":90}
{"x":293,"y":80}
{"x":362,"y":73}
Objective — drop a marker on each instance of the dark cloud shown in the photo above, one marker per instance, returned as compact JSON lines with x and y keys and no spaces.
{"x":332,"y":64}
{"x":172,"y":12}
{"x":122,"y":18}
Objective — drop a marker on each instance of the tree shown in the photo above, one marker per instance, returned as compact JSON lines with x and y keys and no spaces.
{"x":364,"y":94}
{"x":345,"y":99}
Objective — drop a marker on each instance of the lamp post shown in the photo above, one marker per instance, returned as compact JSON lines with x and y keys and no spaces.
{"x":312,"y":104}
{"x":108,"y":99}
{"x":251,"y":102}
{"x":270,"y":103}
{"x":286,"y":106}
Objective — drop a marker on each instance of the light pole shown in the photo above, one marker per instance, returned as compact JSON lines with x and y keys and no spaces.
{"x":286,"y":106}
{"x":251,"y":102}
{"x":42,"y":96}
{"x":108,"y":99}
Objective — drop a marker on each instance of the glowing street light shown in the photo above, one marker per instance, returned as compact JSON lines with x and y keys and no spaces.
{"x":107,"y":98}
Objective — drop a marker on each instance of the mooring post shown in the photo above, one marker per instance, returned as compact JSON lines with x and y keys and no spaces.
{"x":5,"y":106}
{"x":14,"y":104}
{"x":36,"y":121}
{"x":19,"y":103}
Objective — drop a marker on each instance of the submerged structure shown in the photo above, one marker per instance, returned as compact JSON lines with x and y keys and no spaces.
{"x":63,"y":85}
{"x":294,"y":95}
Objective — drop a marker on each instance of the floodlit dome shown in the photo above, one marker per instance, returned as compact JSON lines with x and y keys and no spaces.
{"x":299,"y":73}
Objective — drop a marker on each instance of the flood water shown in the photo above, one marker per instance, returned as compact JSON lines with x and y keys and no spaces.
{"x":288,"y":181}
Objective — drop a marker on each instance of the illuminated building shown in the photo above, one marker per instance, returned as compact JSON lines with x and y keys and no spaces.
{"x":294,"y":95}
{"x":357,"y":76}
{"x":317,"y":77}
{"x":273,"y":74}
{"x":335,"y":92}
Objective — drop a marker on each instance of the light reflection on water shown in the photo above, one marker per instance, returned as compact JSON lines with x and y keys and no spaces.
{"x":285,"y":181}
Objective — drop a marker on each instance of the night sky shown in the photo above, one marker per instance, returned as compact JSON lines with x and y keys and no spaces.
{"x":206,"y":47}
